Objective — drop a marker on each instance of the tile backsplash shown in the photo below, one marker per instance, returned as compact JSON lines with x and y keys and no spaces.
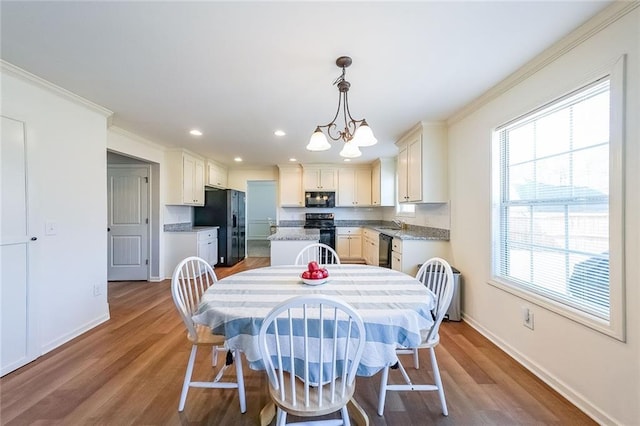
{"x":177,"y":214}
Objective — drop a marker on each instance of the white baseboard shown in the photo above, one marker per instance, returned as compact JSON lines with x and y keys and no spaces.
{"x":558,"y":385}
{"x":75,"y":333}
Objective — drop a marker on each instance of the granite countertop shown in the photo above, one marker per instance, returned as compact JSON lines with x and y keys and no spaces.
{"x":295,"y":234}
{"x":186,"y":227}
{"x":412,"y":232}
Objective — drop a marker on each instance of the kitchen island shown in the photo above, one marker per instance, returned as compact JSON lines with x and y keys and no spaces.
{"x":286,"y":243}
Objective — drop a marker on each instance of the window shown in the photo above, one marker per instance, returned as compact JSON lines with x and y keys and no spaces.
{"x":552,"y":206}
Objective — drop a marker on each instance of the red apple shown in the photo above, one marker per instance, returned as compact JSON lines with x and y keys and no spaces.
{"x":325,"y":273}
{"x":316,"y":275}
{"x":306,"y":275}
{"x":313,"y":266}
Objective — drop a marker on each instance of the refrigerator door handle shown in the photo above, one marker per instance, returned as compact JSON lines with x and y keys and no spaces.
{"x":234,"y":223}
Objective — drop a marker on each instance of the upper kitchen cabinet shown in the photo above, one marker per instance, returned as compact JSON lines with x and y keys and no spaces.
{"x":216,"y":175}
{"x":355,"y":187}
{"x":383,"y":173}
{"x":319,"y":178}
{"x":290,"y":186}
{"x":422,"y":165}
{"x":185,"y":179}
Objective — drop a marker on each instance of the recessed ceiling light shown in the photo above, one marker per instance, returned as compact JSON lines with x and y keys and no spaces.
{"x":292,"y":159}
{"x":346,"y":160}
{"x":279,"y":133}
{"x":237,"y":159}
{"x":195,"y":132}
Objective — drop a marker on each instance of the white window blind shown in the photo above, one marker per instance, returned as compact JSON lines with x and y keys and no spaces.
{"x":552,"y":235}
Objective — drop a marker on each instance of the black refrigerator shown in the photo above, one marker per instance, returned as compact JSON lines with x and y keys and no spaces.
{"x":226,"y":209}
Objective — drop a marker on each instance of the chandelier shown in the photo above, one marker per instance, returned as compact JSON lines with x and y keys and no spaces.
{"x":356,"y":133}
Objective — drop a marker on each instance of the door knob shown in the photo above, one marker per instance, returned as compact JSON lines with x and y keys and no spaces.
{"x":34,"y":238}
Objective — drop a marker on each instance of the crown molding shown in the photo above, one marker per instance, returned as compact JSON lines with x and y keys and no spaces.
{"x":24,"y":75}
{"x":587,"y":30}
{"x":119,"y":130}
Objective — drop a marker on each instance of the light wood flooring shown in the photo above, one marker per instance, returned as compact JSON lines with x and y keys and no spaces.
{"x":129,"y":371}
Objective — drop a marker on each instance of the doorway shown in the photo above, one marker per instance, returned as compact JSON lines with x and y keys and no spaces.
{"x":128,"y":194}
{"x":261,"y":214}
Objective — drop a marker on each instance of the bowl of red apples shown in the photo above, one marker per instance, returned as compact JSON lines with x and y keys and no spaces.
{"x":314,"y":275}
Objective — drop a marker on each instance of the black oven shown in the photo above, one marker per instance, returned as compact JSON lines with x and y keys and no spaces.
{"x":320,"y":199}
{"x":325,"y":224}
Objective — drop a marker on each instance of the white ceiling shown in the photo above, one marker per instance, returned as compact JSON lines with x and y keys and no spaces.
{"x":240,"y":70}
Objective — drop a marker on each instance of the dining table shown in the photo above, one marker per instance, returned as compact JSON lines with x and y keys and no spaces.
{"x":396,"y":309}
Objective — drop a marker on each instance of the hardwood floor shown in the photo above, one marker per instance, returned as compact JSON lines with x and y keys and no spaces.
{"x":130,"y":371}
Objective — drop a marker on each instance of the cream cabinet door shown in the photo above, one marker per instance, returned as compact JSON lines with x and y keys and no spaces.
{"x":403,"y":170}
{"x":290,"y":187}
{"x":216,"y":175}
{"x":414,"y":170}
{"x":363,"y":187}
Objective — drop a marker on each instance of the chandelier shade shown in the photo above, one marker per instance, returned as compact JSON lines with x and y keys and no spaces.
{"x":318,"y":141}
{"x":356,"y":133}
{"x":350,"y":150}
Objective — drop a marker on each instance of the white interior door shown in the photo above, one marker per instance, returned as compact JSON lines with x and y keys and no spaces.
{"x":128,"y":228}
{"x":18,"y":338}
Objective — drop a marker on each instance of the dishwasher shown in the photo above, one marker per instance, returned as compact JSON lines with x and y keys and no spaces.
{"x":384,"y":247}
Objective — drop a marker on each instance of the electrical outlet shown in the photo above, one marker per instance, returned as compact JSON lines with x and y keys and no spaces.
{"x":96,"y":290}
{"x":527,"y":317}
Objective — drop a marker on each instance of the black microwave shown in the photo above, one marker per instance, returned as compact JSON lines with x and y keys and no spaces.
{"x":319,"y":199}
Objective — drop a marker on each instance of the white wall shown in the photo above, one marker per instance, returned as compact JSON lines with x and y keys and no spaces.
{"x":67,"y":181}
{"x":598,"y":373}
{"x":238,"y":177}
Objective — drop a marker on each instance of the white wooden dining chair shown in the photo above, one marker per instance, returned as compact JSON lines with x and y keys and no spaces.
{"x":190,"y":280}
{"x":321,"y":253}
{"x":311,"y":369}
{"x":436,"y":274}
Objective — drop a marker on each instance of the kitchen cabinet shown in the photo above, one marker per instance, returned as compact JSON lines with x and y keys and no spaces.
{"x":290,"y":186}
{"x":354,"y":187}
{"x":216,"y":175}
{"x":422,"y":165}
{"x":208,"y":246}
{"x":185,"y":179}
{"x":383,"y":191}
{"x":179,"y":245}
{"x":370,"y":247}
{"x":349,"y":243}
{"x":319,"y":178}
{"x":406,"y":254}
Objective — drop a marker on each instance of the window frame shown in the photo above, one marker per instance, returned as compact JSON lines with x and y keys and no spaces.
{"x":615,"y":326}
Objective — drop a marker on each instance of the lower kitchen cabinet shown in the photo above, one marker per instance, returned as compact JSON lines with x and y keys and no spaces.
{"x":179,"y":245}
{"x":349,"y":243}
{"x":370,"y":247}
{"x":407,"y":254}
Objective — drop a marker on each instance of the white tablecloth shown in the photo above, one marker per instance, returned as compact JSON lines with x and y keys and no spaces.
{"x":395,"y":307}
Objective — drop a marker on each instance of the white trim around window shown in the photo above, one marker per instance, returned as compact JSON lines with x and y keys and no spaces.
{"x":610,"y":321}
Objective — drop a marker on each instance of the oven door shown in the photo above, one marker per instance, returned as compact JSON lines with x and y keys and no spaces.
{"x":328,"y":237}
